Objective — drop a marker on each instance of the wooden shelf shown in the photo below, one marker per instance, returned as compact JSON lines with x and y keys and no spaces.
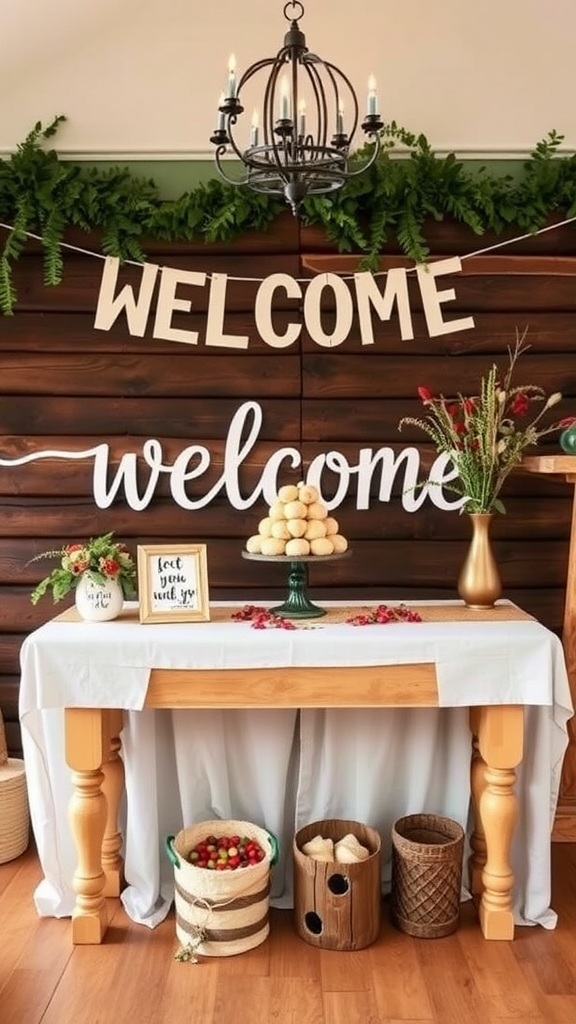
{"x":565,"y":822}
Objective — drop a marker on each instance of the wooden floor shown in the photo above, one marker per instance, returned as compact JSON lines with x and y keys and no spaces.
{"x":133,"y":977}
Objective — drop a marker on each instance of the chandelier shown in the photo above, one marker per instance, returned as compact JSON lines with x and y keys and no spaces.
{"x":301,"y":146}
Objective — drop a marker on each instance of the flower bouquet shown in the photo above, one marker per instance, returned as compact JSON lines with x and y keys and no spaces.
{"x":485,"y":435}
{"x":100,"y":559}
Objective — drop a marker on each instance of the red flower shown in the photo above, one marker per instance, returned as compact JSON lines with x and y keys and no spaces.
{"x":425,"y":394}
{"x":109,"y":566}
{"x":261,"y":618}
{"x":567,"y":422}
{"x":468,"y":405}
{"x":520,"y":404}
{"x":383,"y":615}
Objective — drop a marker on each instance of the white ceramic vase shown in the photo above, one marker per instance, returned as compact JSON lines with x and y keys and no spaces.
{"x":98,"y":602}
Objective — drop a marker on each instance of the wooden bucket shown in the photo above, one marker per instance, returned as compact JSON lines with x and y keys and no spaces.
{"x":221,"y":913}
{"x":337,"y":906}
{"x":427,"y":852}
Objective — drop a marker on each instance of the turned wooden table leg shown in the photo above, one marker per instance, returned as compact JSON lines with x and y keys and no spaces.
{"x":477,"y":859}
{"x":85,"y":751}
{"x":113,"y":787}
{"x":500,"y":740}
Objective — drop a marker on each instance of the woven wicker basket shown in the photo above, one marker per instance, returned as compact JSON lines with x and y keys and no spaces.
{"x":222,"y":913}
{"x":14,"y":814}
{"x":427,"y":852}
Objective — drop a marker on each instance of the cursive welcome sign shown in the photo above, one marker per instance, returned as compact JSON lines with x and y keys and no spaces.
{"x":331,"y":472}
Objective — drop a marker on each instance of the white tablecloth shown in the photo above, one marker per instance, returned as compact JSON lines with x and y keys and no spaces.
{"x":283,"y":768}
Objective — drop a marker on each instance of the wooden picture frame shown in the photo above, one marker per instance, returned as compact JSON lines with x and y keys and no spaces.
{"x":173,"y":583}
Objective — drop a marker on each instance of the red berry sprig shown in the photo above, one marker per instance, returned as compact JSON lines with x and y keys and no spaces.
{"x":226,"y":853}
{"x":383,"y":614}
{"x":261,"y":618}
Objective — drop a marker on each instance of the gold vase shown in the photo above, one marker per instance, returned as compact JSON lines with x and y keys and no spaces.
{"x":479,"y":583}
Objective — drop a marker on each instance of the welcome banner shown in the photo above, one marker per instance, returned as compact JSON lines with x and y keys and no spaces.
{"x":360,"y":294}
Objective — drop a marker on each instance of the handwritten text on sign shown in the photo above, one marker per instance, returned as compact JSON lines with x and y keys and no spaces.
{"x":173,"y":582}
{"x":360,"y":294}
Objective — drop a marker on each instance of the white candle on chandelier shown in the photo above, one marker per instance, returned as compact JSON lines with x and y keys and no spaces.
{"x":232,"y":76}
{"x":340,"y":118}
{"x":221,"y":114}
{"x":302,"y":118}
{"x":372,"y":100}
{"x":284,"y":106}
{"x":254,"y":129}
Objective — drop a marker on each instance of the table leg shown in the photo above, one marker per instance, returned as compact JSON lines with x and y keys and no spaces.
{"x":477,"y":859}
{"x":500,"y":741}
{"x":113,"y":787}
{"x":86,"y":748}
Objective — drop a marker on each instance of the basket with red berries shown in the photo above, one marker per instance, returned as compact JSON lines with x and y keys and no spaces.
{"x":222,"y":882}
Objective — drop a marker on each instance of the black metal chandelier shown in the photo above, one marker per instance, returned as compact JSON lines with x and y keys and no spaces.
{"x":310,"y":114}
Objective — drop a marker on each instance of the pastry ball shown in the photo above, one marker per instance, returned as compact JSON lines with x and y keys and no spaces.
{"x":307,"y":493}
{"x":280,"y":529}
{"x":297,"y":527}
{"x":317,"y":510}
{"x":288,"y":493}
{"x":297,"y":547}
{"x":332,"y":525}
{"x":315,"y":528}
{"x":321,"y":546}
{"x":273,"y":546}
{"x":295,"y":510}
{"x":276,"y":511}
{"x":339,"y":543}
{"x":265,"y":527}
{"x":254,"y":545}
{"x":349,"y":850}
{"x":319,"y":849}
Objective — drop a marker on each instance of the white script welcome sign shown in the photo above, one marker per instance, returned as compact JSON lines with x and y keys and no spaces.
{"x":330,"y":471}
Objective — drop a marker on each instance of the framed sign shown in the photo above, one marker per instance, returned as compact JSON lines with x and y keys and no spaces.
{"x":173,"y":583}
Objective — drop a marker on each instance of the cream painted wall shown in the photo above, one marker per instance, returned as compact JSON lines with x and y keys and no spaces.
{"x":141,"y":78}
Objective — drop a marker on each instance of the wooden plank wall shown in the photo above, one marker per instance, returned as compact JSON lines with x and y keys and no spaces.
{"x":65,"y":385}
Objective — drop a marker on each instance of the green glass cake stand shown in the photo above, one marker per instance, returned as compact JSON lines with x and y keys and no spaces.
{"x":297,"y":604}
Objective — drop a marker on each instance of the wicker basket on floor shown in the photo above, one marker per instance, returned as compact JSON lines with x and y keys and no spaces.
{"x":427,"y":852}
{"x":14,"y":814}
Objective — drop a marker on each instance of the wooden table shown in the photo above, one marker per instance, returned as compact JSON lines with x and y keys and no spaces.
{"x":93,"y":745}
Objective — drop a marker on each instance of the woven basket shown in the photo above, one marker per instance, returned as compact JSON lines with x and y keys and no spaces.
{"x":14,"y":814}
{"x":427,"y":852}
{"x":222,"y":913}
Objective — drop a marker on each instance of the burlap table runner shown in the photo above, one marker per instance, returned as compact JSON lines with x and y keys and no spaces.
{"x":340,"y":613}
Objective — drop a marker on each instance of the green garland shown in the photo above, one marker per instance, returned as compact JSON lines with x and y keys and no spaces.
{"x":389,"y":203}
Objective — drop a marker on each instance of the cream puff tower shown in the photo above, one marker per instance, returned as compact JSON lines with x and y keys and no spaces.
{"x":297,"y":525}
